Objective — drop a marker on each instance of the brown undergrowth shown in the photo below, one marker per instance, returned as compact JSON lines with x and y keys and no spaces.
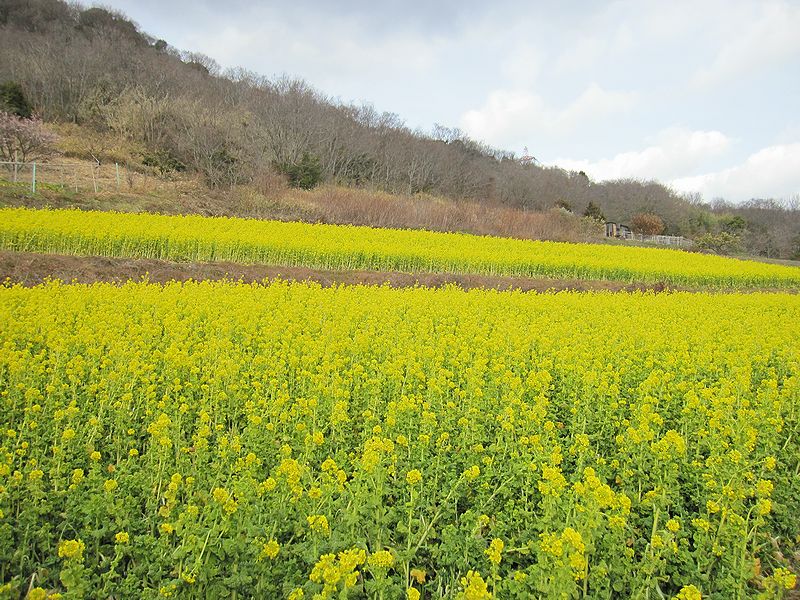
{"x":31,"y":269}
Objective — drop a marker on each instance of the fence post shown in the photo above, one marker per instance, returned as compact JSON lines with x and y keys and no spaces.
{"x":117,"y":167}
{"x":33,"y":178}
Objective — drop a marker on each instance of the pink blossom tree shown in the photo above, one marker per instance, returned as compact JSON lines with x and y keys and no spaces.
{"x":23,"y":139}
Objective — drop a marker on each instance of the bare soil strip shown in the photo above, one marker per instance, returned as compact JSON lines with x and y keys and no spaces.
{"x":31,"y":269}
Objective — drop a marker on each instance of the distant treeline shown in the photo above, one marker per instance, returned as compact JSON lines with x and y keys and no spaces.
{"x":93,"y":66}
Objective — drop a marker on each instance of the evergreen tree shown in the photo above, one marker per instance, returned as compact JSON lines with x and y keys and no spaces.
{"x":305,"y":174}
{"x":593,"y":212}
{"x":13,"y":100}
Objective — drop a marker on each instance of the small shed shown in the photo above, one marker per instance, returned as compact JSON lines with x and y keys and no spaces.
{"x":617,"y":230}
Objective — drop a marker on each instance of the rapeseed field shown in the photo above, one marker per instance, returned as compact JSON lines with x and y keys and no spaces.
{"x":195,"y":238}
{"x":221,"y":440}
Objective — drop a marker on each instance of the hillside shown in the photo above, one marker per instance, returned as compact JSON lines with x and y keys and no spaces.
{"x":73,"y":179}
{"x":95,"y":68}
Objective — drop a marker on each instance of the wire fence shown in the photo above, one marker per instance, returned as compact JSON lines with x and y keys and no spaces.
{"x":65,"y":176}
{"x":665,"y":240}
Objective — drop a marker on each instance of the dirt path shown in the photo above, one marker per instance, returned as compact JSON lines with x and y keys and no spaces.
{"x":31,"y":269}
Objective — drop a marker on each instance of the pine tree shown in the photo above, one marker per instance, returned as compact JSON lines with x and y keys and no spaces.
{"x":593,"y":212}
{"x":13,"y":100}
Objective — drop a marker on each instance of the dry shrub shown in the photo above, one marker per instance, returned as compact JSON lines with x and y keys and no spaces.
{"x":379,"y":209}
{"x":647,"y":223}
{"x":269,"y":182}
{"x":88,"y":144}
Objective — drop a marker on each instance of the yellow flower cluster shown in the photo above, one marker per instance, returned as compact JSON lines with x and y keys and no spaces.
{"x":472,"y":473}
{"x":224,"y":498}
{"x":550,"y":543}
{"x":375,"y":448}
{"x":292,"y":471}
{"x":71,"y":549}
{"x":413,"y":477}
{"x":318,"y":524}
{"x":270,"y":549}
{"x":495,"y":550}
{"x":783,"y":578}
{"x":473,"y":587}
{"x":673,"y":525}
{"x":337,"y":572}
{"x":689,"y":592}
{"x":382,"y":559}
{"x":671,"y":446}
{"x":552,"y":482}
{"x":570,"y":545}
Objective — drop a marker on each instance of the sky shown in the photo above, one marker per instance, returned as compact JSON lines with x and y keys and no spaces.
{"x":703,"y":95}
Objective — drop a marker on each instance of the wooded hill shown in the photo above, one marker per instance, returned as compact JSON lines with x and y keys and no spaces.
{"x":96,"y":68}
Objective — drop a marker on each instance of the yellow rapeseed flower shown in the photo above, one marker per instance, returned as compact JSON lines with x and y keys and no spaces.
{"x":764,"y":506}
{"x":689,"y":592}
{"x":764,"y":488}
{"x":784,"y":578}
{"x":673,"y":525}
{"x":270,"y":549}
{"x":473,"y":587}
{"x":413,"y":477}
{"x":37,"y":593}
{"x":318,"y":524}
{"x":494,"y":551}
{"x":382,"y":559}
{"x":71,"y":549}
{"x":472,"y":473}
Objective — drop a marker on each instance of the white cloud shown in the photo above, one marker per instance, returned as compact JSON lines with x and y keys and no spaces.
{"x":594,"y":102}
{"x":773,"y":172}
{"x":523,"y":64}
{"x":755,"y":40}
{"x":674,"y":152}
{"x":590,"y":51}
{"x":271,"y":43}
{"x":511,"y":116}
{"x":342,"y":54}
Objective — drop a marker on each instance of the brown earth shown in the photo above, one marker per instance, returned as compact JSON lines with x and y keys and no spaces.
{"x":30,"y":269}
